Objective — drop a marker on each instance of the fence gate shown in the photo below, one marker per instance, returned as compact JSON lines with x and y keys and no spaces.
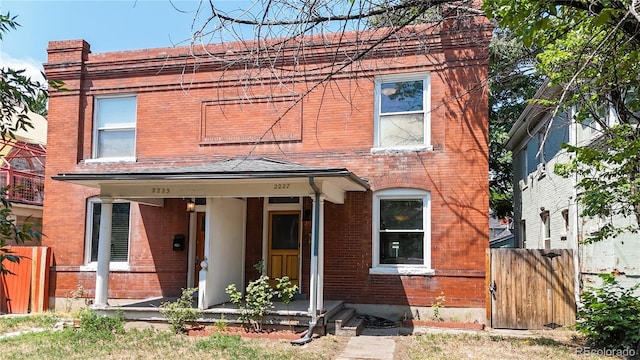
{"x":531,"y":288}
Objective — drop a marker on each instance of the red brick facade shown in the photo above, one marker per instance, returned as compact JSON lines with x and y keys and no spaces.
{"x":179,"y":100}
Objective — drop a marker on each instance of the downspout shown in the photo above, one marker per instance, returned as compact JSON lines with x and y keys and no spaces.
{"x":313,"y":283}
{"x":575,"y":228}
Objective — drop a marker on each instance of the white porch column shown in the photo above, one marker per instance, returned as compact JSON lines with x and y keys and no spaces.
{"x":191,"y":254}
{"x":320,"y":301}
{"x":313,"y":278}
{"x":104,"y":253}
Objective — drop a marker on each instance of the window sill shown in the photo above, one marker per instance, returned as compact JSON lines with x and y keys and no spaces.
{"x":408,"y":270}
{"x":523,"y":185}
{"x":400,"y":150}
{"x":114,"y":266}
{"x":109,"y":160}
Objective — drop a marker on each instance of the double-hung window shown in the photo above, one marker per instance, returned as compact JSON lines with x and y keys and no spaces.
{"x":114,"y":134}
{"x":402,"y":112}
{"x":546,"y":229}
{"x":120,"y":220}
{"x":402,"y":232}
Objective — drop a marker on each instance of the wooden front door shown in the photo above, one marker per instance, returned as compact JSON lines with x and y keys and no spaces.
{"x":284,"y":245}
{"x":199,"y":246}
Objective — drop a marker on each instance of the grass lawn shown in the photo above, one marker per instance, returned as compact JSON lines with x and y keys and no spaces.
{"x":153,"y":343}
{"x":484,"y":346}
{"x":149,"y":343}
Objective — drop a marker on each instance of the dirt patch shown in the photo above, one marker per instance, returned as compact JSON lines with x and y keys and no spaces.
{"x":486,"y":345}
{"x":235,"y":330}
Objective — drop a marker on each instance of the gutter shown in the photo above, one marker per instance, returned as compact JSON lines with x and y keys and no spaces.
{"x":313,"y":291}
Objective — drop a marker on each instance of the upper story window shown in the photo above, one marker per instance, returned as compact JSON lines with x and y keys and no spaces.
{"x":114,"y":134}
{"x":546,"y":229}
{"x":402,"y":232}
{"x":523,"y":233}
{"x":403,"y":112}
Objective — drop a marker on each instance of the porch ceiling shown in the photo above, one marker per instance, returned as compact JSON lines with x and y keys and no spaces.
{"x":244,"y":177}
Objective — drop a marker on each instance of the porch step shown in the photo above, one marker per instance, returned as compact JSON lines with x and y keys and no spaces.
{"x":353,"y":328}
{"x":345,"y":323}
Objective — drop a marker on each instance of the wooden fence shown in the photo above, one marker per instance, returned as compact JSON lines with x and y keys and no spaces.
{"x":530,"y":288}
{"x":27,"y":288}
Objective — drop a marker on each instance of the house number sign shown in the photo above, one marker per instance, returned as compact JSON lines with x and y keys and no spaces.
{"x":160,"y":190}
{"x":281,"y":186}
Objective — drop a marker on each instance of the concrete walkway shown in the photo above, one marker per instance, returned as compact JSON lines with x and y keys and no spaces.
{"x":368,"y":347}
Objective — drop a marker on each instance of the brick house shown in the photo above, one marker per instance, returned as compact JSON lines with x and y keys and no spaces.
{"x":370,"y":188}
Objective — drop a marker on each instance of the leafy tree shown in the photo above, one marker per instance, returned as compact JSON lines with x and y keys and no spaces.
{"x":590,"y":50}
{"x":511,"y":79}
{"x":39,"y":103}
{"x":18,"y":95}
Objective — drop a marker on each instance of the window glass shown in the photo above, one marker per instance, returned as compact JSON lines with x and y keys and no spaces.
{"x":546,"y":221}
{"x":398,"y":130}
{"x":401,"y":214}
{"x":284,"y":200}
{"x":402,"y":96}
{"x":284,"y":232}
{"x":116,"y":112}
{"x":401,"y":225}
{"x":401,"y":118}
{"x":119,"y":231}
{"x":402,"y":248}
{"x":115,"y":127}
{"x":114,"y":143}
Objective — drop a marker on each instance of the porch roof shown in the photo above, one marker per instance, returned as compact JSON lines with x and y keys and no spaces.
{"x":229,"y":177}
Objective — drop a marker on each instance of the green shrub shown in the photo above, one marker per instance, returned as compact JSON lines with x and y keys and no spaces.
{"x":181,"y":311}
{"x":101,"y":325}
{"x":610,"y":317}
{"x":255,"y":303}
{"x":286,"y":290}
{"x":258,"y":296}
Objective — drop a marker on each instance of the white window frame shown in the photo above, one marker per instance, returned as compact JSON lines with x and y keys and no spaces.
{"x":523,"y":233}
{"x":96,"y":131}
{"x":545,"y":217}
{"x":402,"y":269}
{"x":426,"y":109}
{"x":565,"y":223}
{"x":93,"y":265}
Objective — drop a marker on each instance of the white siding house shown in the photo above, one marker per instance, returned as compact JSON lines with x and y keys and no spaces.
{"x":546,"y":215}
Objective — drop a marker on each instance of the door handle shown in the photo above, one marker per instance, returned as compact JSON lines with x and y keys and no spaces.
{"x":493,"y":289}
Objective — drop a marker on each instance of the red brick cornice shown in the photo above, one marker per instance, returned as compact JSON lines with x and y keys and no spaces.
{"x":291,"y":56}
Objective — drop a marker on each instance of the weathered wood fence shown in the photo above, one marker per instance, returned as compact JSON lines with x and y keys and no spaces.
{"x":27,"y":288}
{"x":530,"y":288}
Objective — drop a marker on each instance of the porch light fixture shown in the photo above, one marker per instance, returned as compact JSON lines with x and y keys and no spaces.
{"x":191,"y":205}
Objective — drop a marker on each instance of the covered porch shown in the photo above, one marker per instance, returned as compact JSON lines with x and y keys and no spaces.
{"x":294,"y":316}
{"x":223,"y":188}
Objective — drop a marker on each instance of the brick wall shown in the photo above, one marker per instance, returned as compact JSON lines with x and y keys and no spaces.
{"x":336,"y":122}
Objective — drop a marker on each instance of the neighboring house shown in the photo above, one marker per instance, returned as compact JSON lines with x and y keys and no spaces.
{"x":23,"y":168}
{"x":371,"y":189}
{"x":546,"y":214}
{"x":501,"y":232}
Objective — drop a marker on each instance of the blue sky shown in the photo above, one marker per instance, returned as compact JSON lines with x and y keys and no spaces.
{"x":107,"y":25}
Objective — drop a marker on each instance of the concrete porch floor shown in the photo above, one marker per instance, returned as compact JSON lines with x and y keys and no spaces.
{"x":294,"y":314}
